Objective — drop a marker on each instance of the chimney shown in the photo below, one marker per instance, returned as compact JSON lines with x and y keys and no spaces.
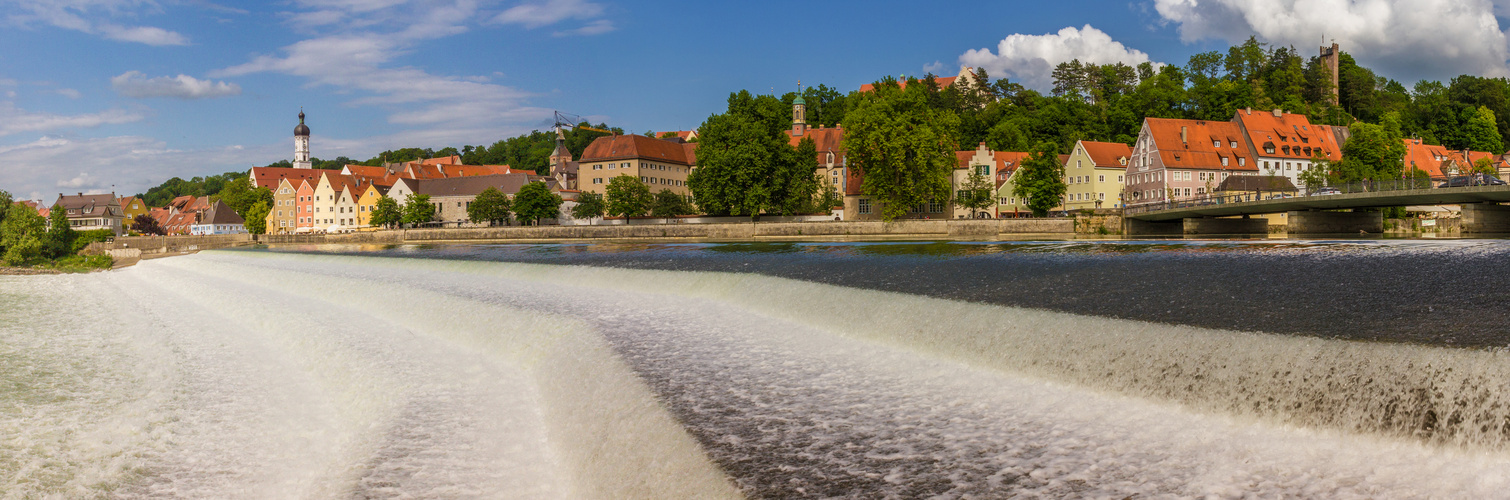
{"x":1278,"y":112}
{"x":1182,"y":135}
{"x":1249,"y":110}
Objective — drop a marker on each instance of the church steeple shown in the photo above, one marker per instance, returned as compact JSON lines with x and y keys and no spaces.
{"x":301,"y":143}
{"x":799,"y":112}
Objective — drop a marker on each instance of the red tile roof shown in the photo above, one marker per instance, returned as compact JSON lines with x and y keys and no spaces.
{"x":828,"y":140}
{"x":1199,"y":151}
{"x":614,"y":147}
{"x":943,"y":81}
{"x":1107,"y":154}
{"x":1291,"y":135}
{"x":268,"y":177}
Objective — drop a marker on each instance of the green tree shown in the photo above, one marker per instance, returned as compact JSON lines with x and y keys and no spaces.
{"x":828,"y":199}
{"x":1485,"y":166}
{"x":386,"y":212}
{"x":256,"y":217}
{"x":976,"y":194}
{"x":535,"y":202}
{"x":904,"y":148}
{"x":1315,"y":177}
{"x":628,"y":197}
{"x":23,"y":233}
{"x":60,"y":235}
{"x":5,"y":203}
{"x":1040,"y":179}
{"x":1482,"y":133}
{"x":490,"y":206}
{"x":745,"y":163}
{"x":240,"y":195}
{"x":1372,"y":153}
{"x":589,"y":206}
{"x":668,"y":204}
{"x":418,"y":210}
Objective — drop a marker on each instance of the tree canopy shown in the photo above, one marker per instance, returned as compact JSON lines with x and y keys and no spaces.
{"x":745,"y":164}
{"x":491,"y":206}
{"x":535,"y":202}
{"x":627,"y":197}
{"x":903,"y":147}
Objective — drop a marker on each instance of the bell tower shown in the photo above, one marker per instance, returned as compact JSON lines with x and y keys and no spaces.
{"x":799,"y":112}
{"x":301,"y":143}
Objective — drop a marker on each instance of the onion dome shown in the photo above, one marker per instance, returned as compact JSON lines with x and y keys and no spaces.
{"x":301,"y":129}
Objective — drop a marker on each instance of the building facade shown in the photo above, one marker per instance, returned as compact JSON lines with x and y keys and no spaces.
{"x":1093,"y":175}
{"x":660,"y":164}
{"x":89,"y":212}
{"x":1176,"y":160}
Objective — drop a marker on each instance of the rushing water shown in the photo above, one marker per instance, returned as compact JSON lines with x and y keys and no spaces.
{"x":810,"y":370}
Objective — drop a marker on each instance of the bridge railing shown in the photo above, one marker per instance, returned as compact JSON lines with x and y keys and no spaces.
{"x":1365,"y":186}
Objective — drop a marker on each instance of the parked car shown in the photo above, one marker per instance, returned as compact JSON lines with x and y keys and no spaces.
{"x":1326,"y":191}
{"x":1472,"y":180}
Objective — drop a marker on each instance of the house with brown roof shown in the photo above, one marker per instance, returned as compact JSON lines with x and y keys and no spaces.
{"x":268,"y":177}
{"x":1286,"y":144}
{"x":88,"y":212}
{"x":282,"y":217}
{"x":132,"y":207}
{"x":830,"y":147}
{"x":1176,"y":159}
{"x":966,"y":74}
{"x":452,"y":197}
{"x":218,"y":219}
{"x":660,"y":163}
{"x":1093,"y":175}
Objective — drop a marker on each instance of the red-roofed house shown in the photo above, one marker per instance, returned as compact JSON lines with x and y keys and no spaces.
{"x":1093,"y":175}
{"x":1177,"y":159}
{"x":966,"y":73}
{"x":662,"y":164}
{"x":1285,"y":144}
{"x":268,"y":177}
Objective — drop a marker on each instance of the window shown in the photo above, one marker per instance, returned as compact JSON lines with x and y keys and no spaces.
{"x":624,"y":165}
{"x":1224,"y":175}
{"x":1216,"y":144}
{"x":1234,"y":144}
{"x":1242,"y":161}
{"x":864,"y":205}
{"x":1100,"y":178}
{"x":983,"y":169}
{"x":935,"y":207}
{"x":1077,"y":163}
{"x":1002,"y":201}
{"x":1101,"y":196}
{"x":1224,"y":161}
{"x":1119,"y":178}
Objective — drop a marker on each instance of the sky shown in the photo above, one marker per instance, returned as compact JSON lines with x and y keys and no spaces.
{"x":120,"y":95}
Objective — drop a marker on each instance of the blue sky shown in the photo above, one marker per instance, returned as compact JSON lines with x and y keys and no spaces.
{"x":102,"y":95}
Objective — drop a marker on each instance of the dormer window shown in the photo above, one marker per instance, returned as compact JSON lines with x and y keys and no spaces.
{"x":1234,"y":144}
{"x":1216,"y":144}
{"x":1224,"y":163}
{"x":1241,"y":161}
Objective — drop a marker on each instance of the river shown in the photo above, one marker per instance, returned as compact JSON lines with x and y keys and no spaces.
{"x":1323,"y":369}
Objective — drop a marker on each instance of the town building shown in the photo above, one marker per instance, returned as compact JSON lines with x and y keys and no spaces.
{"x":268,"y":177}
{"x":1287,"y":144}
{"x":132,"y":207}
{"x":1093,"y":174}
{"x":282,"y":218}
{"x":659,"y":163}
{"x":1008,"y":202}
{"x":218,"y":219}
{"x":452,"y":197}
{"x":367,"y":202}
{"x":829,"y":143}
{"x":1176,"y":159}
{"x":304,"y":206}
{"x":89,"y":212}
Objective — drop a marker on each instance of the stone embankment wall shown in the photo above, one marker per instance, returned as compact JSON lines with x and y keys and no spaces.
{"x":139,"y":246}
{"x":728,"y":231}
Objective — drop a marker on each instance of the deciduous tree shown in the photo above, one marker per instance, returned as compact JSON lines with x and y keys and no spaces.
{"x":745,"y":163}
{"x":418,"y":210}
{"x":386,"y":212}
{"x":628,"y":197}
{"x":535,"y":202}
{"x":256,"y":217}
{"x":1040,"y":179}
{"x":668,"y":204}
{"x":589,"y":206}
{"x":147,"y":225}
{"x":490,"y":206}
{"x":904,"y":148}
{"x":976,"y":194}
{"x":60,"y":235}
{"x":24,"y":235}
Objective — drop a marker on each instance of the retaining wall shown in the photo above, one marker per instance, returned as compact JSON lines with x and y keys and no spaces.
{"x":148,"y":245}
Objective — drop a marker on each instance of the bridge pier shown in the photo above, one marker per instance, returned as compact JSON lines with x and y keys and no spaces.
{"x":1243,"y":226}
{"x":1135,"y":227}
{"x":1315,"y":222}
{"x":1486,"y":218}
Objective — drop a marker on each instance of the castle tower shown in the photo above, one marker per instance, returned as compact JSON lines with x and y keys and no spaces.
{"x":301,"y":143}
{"x":1330,"y":56}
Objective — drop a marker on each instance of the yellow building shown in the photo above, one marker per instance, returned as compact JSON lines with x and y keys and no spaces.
{"x":660,"y":164}
{"x":1093,"y":175}
{"x":367,"y":202}
{"x":282,"y":217}
{"x":132,"y":206}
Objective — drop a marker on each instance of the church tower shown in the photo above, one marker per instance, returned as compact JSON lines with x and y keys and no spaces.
{"x":799,"y":113}
{"x":301,"y":143}
{"x":1330,"y":58}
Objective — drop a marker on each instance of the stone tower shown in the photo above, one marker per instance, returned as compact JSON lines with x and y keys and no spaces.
{"x":1330,"y":56}
{"x":301,"y":143}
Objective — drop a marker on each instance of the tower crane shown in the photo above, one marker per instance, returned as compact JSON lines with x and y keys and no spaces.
{"x":569,"y":120}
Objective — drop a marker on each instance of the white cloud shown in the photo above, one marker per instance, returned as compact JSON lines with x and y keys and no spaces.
{"x":933,"y":67}
{"x":535,"y":15}
{"x":14,"y":120}
{"x":69,"y":93}
{"x":1030,"y":59}
{"x":1405,"y":39}
{"x":124,"y":165}
{"x":136,"y":85}
{"x":597,"y":27}
{"x":92,"y":17}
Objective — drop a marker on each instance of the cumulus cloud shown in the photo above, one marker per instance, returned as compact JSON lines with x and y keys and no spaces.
{"x":535,"y":15}
{"x":14,"y":120}
{"x":93,"y":17}
{"x":82,"y":180}
{"x":136,"y":85}
{"x":1405,"y":39}
{"x":1030,"y":59}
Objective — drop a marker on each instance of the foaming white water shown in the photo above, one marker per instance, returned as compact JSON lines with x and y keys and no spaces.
{"x":305,"y":386}
{"x":800,"y":389}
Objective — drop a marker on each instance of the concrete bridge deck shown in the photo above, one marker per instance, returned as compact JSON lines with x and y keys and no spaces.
{"x":1482,"y":212}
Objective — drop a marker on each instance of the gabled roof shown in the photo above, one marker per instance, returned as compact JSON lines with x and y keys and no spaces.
{"x":220,"y":213}
{"x":181,"y":203}
{"x":1198,"y":151}
{"x":444,"y":160}
{"x":89,"y":205}
{"x":615,"y":147}
{"x":268,"y":177}
{"x":471,"y":186}
{"x":1292,"y":135}
{"x":828,"y":140}
{"x":943,"y":81}
{"x":1107,"y":154}
{"x":1256,"y":183}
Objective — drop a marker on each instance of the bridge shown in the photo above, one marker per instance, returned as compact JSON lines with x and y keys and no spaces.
{"x":1229,"y":213}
